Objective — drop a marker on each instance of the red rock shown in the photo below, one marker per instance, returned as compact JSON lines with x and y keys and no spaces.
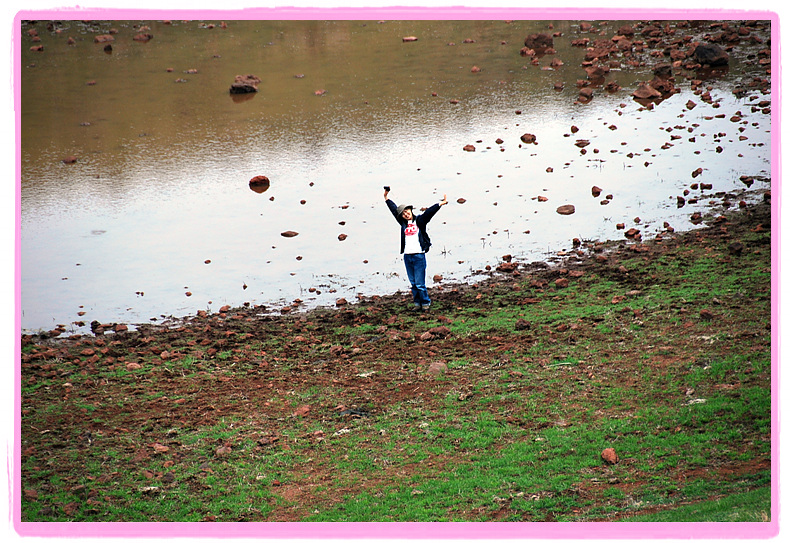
{"x":562,"y":282}
{"x":301,"y":411}
{"x":409,"y":38}
{"x":342,"y":237}
{"x":260,"y":183}
{"x":507,"y":267}
{"x":522,"y":324}
{"x":539,"y":41}
{"x":528,"y":138}
{"x":439,"y":331}
{"x":469,"y":148}
{"x":596,"y":191}
{"x":244,"y":84}
{"x":437,"y":368}
{"x":567,"y":209}
{"x":289,"y":234}
{"x":645,"y":92}
{"x":610,"y":456}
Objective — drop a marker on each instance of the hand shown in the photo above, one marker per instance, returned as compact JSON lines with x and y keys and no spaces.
{"x":444,"y":200}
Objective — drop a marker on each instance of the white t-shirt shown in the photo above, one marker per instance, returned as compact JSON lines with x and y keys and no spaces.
{"x":412,"y":239}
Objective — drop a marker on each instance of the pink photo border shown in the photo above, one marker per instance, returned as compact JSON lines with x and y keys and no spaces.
{"x":389,"y":531}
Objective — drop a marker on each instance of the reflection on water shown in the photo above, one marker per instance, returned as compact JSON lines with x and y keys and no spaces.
{"x":157,"y":214}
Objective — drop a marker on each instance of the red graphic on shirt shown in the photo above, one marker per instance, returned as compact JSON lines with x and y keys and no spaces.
{"x":411,"y":229}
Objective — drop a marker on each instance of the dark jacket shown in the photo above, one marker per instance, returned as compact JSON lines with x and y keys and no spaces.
{"x":422,"y":223}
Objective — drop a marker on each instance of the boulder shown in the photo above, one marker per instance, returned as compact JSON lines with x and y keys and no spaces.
{"x":244,"y":84}
{"x":711,"y":54}
{"x":539,"y":41}
{"x":645,"y":92}
{"x":610,"y":456}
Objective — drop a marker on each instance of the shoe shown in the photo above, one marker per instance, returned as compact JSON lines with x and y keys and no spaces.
{"x":425,"y":307}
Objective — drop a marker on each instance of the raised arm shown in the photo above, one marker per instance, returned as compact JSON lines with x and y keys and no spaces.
{"x":431,"y":211}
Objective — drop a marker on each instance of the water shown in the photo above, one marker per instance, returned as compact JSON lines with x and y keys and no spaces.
{"x":156,"y":216}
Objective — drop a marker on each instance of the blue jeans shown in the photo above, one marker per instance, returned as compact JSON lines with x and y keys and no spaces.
{"x":415,"y":269}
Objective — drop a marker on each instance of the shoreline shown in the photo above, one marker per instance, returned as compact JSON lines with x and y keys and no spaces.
{"x":583,"y":254}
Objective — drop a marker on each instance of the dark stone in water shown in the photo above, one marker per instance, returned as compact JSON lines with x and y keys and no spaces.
{"x":244,"y":84}
{"x":711,"y":54}
{"x":259,"y":183}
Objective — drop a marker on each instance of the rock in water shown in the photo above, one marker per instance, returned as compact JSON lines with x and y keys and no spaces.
{"x":567,"y":209}
{"x":244,"y":84}
{"x":711,"y":54}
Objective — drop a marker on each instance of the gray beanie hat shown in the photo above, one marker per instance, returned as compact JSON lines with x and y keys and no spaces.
{"x":402,"y":208}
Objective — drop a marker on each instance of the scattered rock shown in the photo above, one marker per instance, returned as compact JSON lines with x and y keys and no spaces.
{"x":437,"y":368}
{"x":736,"y":248}
{"x":609,"y":456}
{"x":567,"y":209}
{"x":245,"y":84}
{"x":528,"y":138}
{"x":711,"y":55}
{"x":260,"y":184}
{"x":645,"y":92}
{"x":289,"y":234}
{"x":507,"y":267}
{"x":522,"y":324}
{"x":539,"y":41}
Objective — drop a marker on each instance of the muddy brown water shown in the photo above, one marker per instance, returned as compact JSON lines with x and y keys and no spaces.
{"x":154,"y":215}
